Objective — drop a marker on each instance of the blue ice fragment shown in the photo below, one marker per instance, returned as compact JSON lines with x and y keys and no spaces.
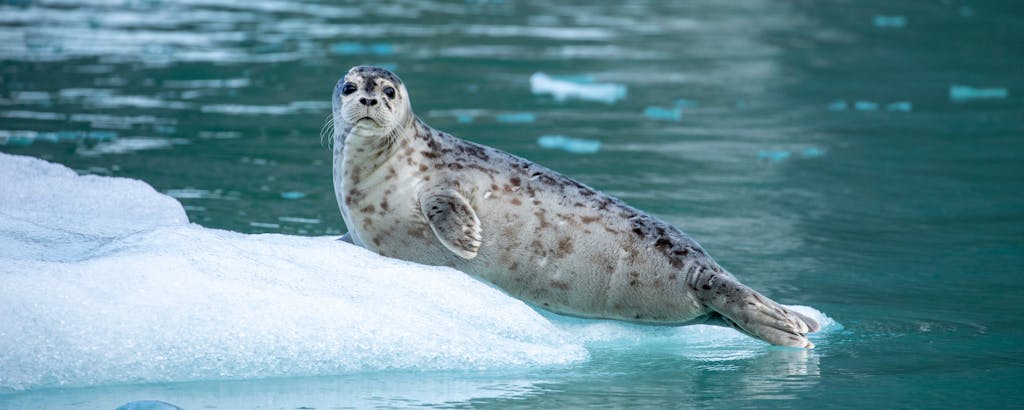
{"x":812,"y":152}
{"x":901,"y":106}
{"x":464,"y":118}
{"x":148,"y":405}
{"x":773,"y":156}
{"x":889,"y":21}
{"x":101,"y":135}
{"x":865,"y":106}
{"x":382,"y":49}
{"x":684,"y":103}
{"x":562,"y":90}
{"x":578,"y":79}
{"x":965,"y":92}
{"x":293,"y":195}
{"x":519,"y":117}
{"x":838,"y":105}
{"x":348,"y":48}
{"x":572,"y":145}
{"x":165,"y":129}
{"x":661,"y":113}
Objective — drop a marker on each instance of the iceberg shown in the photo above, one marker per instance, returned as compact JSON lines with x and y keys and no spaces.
{"x":104,"y":281}
{"x":563,"y":89}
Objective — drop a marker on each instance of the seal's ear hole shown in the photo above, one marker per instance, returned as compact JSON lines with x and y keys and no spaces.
{"x":389,"y":91}
{"x":348,"y":88}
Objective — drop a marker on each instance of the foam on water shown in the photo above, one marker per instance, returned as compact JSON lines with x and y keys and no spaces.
{"x":104,"y":281}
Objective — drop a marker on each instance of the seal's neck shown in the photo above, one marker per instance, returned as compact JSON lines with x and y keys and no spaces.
{"x":363,"y":147}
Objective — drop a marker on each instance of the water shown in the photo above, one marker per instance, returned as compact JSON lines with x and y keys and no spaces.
{"x":903,"y":224}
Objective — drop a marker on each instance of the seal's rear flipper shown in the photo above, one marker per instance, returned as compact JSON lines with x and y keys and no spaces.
{"x":347,"y":237}
{"x":750,"y":312}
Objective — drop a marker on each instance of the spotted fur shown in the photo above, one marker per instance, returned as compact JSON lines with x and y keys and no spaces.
{"x":411,"y":192}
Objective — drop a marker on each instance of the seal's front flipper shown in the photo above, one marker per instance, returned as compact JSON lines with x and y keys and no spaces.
{"x":750,"y":312}
{"x":453,"y":221}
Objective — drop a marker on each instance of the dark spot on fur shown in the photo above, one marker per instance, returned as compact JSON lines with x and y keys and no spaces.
{"x":634,"y":282}
{"x":367,"y":209}
{"x":590,"y":219}
{"x":384,"y":205}
{"x":516,"y":201}
{"x":564,"y":247}
{"x":560,"y":284}
{"x":639,"y":232}
{"x":515,"y":181}
{"x":424,"y":168}
{"x":429,"y":154}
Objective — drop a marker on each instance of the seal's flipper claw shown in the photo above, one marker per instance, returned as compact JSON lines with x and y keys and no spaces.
{"x":454,"y":222}
{"x":752,"y":313}
{"x":347,"y":238}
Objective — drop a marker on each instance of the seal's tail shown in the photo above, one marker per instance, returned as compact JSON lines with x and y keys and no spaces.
{"x":752,"y":313}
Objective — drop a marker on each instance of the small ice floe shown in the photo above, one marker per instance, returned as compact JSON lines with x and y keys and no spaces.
{"x":464,"y":118}
{"x":293,"y":195}
{"x":784,"y":154}
{"x":899,"y":106}
{"x":564,"y":88}
{"x":664,"y":114}
{"x":838,"y":105}
{"x":517,"y":117}
{"x":572,"y":145}
{"x":865,"y":106}
{"x":353,"y":48}
{"x":148,"y":405}
{"x":889,"y":21}
{"x":959,"y":93}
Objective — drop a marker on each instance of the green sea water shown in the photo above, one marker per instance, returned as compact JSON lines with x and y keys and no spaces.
{"x":864,"y":158}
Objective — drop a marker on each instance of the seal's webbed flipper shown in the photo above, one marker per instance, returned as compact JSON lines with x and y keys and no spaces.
{"x":347,"y":238}
{"x":750,"y":312}
{"x":453,"y":221}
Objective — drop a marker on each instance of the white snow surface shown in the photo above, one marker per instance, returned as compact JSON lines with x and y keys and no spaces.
{"x":104,"y":281}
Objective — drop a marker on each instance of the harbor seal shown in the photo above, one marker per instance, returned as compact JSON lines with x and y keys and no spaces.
{"x":411,"y":192}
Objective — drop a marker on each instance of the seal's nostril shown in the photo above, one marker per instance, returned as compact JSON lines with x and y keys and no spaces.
{"x":368,"y":102}
{"x":373,"y":101}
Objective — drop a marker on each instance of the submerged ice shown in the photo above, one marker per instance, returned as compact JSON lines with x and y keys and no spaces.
{"x":104,"y":281}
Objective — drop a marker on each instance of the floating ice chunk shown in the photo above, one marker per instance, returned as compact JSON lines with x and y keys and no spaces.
{"x":899,"y":106}
{"x":148,"y":405}
{"x":519,"y":117}
{"x":104,"y":281}
{"x":353,"y":48}
{"x":812,"y":152}
{"x":838,"y":105}
{"x":572,"y":145}
{"x":960,"y":93}
{"x":774,"y":155}
{"x":293,"y":195}
{"x":464,"y":118}
{"x":662,"y":113}
{"x":562,"y":89}
{"x":889,"y":21}
{"x":865,"y":106}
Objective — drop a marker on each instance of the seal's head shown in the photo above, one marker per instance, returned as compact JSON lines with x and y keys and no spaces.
{"x":372,"y":98}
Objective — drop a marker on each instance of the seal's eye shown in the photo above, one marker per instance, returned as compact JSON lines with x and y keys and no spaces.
{"x":389,"y":91}
{"x":348,"y":88}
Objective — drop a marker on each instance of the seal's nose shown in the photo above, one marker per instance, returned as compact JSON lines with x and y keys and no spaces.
{"x":368,"y":101}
